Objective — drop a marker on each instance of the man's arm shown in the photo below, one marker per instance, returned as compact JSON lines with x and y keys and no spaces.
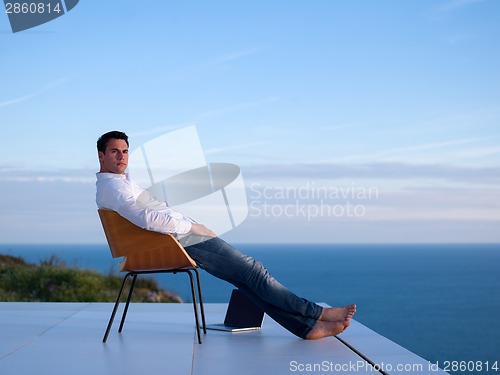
{"x":201,"y":230}
{"x":120,"y":195}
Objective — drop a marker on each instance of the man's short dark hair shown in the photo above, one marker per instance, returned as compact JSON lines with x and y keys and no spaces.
{"x":103,"y":140}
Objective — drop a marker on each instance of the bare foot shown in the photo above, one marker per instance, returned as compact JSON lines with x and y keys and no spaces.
{"x":325,"y":329}
{"x":336,"y":314}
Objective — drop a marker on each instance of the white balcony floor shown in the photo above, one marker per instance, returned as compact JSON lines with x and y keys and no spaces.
{"x":66,"y":338}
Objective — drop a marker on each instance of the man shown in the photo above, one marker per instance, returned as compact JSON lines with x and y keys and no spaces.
{"x":115,"y":191}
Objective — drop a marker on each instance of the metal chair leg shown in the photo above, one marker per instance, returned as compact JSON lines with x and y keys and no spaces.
{"x":132,"y":286}
{"x":195,"y":306}
{"x":115,"y":308}
{"x":201,"y":302}
{"x":129,"y":297}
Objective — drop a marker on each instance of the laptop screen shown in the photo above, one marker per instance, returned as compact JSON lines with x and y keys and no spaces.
{"x":242,"y":312}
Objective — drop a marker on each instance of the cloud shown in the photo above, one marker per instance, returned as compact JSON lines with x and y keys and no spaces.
{"x":456,"y":4}
{"x":238,"y":106}
{"x":216,"y":61}
{"x":23,"y":98}
{"x":434,"y":145}
{"x":456,"y":39}
{"x":10,"y":174}
{"x":480,"y":152}
{"x":400,"y":152}
{"x":219,"y":150}
{"x":237,"y":55}
{"x":338,"y":127}
{"x":473,"y":175}
{"x":20,"y":99}
{"x":159,"y":130}
{"x":63,"y":179}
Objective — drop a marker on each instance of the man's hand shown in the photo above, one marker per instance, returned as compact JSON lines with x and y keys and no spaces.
{"x":201,"y":230}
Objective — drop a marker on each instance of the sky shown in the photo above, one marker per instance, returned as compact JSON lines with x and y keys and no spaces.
{"x":351,"y":121}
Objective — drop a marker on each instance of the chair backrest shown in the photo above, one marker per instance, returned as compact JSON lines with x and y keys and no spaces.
{"x":144,"y":249}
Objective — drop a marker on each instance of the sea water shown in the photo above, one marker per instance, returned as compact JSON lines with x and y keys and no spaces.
{"x":440,"y":301}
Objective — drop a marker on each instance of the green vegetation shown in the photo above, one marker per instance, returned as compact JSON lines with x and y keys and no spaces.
{"x":53,"y":281}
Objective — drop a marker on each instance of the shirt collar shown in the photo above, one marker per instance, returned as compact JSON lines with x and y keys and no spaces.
{"x":107,"y":175}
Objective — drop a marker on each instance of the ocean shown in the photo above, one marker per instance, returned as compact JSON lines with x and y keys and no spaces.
{"x":440,"y":301}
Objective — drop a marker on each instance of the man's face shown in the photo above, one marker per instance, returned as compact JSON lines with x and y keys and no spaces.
{"x":115,"y":159}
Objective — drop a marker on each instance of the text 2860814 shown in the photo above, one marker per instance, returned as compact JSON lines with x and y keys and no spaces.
{"x":32,"y":8}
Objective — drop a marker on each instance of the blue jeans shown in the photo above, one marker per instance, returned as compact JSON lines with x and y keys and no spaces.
{"x":221,"y":260}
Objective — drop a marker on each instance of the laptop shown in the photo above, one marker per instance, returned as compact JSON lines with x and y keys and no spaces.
{"x":241,"y":315}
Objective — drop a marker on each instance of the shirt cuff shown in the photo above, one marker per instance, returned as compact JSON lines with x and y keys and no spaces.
{"x":184,"y":227}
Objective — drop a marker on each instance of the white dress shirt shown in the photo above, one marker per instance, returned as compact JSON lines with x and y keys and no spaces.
{"x":118,"y":193}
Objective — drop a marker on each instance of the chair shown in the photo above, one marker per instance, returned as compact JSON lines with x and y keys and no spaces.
{"x":147,"y":252}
